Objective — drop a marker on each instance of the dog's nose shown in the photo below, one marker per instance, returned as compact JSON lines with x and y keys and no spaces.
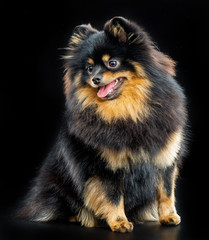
{"x":97,"y":79}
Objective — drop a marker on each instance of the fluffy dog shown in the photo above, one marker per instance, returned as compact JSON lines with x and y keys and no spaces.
{"x":118,"y":151}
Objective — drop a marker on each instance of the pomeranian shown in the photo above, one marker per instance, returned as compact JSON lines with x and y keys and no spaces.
{"x":117,"y":154}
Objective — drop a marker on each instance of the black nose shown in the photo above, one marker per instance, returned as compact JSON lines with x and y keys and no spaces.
{"x":97,"y":79}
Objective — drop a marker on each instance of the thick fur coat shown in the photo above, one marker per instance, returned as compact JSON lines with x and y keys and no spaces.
{"x":122,"y":139}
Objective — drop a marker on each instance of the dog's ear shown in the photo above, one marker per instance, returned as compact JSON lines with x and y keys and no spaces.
{"x":80,"y":33}
{"x":124,"y":30}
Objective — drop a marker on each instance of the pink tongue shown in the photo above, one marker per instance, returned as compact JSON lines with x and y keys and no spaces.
{"x":104,"y":90}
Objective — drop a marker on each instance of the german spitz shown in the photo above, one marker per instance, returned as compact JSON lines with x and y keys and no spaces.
{"x":116,"y":158}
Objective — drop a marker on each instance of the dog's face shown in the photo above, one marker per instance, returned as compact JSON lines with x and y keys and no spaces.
{"x":107,"y":72}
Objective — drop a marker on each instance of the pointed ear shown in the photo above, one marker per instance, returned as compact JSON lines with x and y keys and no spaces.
{"x":124,"y":30}
{"x":80,"y":33}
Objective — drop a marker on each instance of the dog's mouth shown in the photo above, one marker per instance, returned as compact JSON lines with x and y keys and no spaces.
{"x":109,"y":91}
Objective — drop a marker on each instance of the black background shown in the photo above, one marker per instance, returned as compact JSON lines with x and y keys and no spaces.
{"x":33,"y":35}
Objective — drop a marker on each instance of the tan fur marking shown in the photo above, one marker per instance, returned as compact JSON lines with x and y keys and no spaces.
{"x":169,"y":152}
{"x":91,"y":61}
{"x":67,"y":82}
{"x":118,"y":31}
{"x":115,"y":31}
{"x":138,"y":68}
{"x":96,"y":200}
{"x":116,"y":159}
{"x":77,"y":79}
{"x":166,"y":204}
{"x":122,"y":159}
{"x":87,"y":218}
{"x":132,"y":102}
{"x":74,"y":219}
{"x":105,"y":57}
{"x":66,"y":57}
{"x":76,"y":38}
{"x":165,"y":158}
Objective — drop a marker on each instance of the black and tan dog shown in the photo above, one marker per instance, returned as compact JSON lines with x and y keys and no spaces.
{"x":117,"y":155}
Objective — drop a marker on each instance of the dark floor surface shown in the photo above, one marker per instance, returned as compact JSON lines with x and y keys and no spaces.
{"x":53,"y":231}
{"x":22,"y":230}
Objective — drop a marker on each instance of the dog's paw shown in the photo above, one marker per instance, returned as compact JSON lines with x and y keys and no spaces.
{"x":74,"y":219}
{"x":121,"y":225}
{"x":170,"y":220}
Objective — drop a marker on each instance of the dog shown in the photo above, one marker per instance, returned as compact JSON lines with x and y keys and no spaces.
{"x":122,"y":139}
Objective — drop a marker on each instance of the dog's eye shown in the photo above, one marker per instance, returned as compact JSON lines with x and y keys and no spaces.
{"x":113,"y":63}
{"x":90,"y":69}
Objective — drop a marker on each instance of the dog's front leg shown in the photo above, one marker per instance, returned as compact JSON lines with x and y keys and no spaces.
{"x":166,"y":198}
{"x":96,"y":200}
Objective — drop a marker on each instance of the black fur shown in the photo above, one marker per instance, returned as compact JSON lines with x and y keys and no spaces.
{"x":58,"y":188}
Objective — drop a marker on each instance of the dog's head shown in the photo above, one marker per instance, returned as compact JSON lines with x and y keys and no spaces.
{"x":103,"y":65}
